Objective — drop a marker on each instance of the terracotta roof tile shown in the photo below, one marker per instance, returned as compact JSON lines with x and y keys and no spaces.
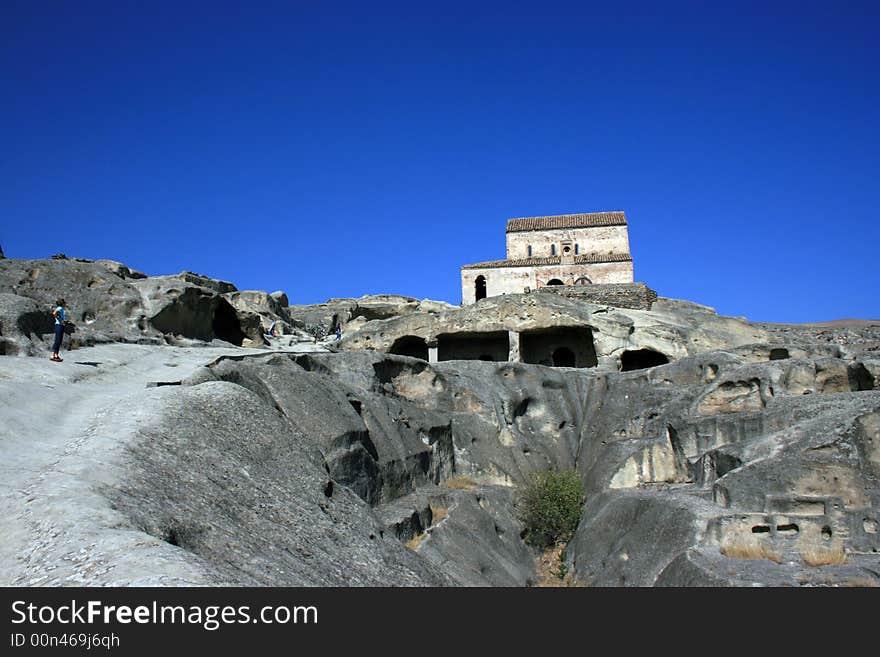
{"x":583,"y":220}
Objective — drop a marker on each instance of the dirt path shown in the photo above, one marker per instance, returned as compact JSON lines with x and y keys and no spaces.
{"x":56,"y":420}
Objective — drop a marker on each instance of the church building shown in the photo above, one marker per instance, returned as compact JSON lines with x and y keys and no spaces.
{"x":569,"y":249}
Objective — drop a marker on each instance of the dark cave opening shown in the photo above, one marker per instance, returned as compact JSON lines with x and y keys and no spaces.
{"x":493,"y":346}
{"x":640,"y":359}
{"x":225,"y":324}
{"x":562,"y":346}
{"x":564,"y":357}
{"x":410,"y":345}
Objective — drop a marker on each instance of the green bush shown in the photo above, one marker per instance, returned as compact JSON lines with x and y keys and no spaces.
{"x":549,"y":506}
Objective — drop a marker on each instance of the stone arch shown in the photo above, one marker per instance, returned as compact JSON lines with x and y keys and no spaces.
{"x":564,"y":357}
{"x":555,"y":281}
{"x":410,"y":345}
{"x":480,"y":288}
{"x":640,"y":359}
{"x":561,"y":346}
{"x":583,"y":280}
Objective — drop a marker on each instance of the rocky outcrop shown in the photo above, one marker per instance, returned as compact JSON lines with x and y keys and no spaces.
{"x":354,"y":313}
{"x":109,"y":302}
{"x":713,"y":452}
{"x":620,"y":295}
{"x":256,"y":512}
{"x":22,"y":321}
{"x":605,"y":334}
{"x":750,"y":475}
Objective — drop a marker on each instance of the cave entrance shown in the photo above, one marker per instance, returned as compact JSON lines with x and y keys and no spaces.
{"x":563,"y":346}
{"x":225,"y":324}
{"x":491,"y":346}
{"x":480,"y":288}
{"x":410,"y":345}
{"x":555,"y":281}
{"x":640,"y":359}
{"x":563,"y":357}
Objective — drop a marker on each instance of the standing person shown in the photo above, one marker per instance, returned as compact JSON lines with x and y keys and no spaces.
{"x":338,"y":332}
{"x":60,"y":314}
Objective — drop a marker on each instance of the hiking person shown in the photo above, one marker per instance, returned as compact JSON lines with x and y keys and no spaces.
{"x":60,"y":315}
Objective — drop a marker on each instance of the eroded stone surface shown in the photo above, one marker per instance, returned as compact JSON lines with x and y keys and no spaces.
{"x":751,"y":457}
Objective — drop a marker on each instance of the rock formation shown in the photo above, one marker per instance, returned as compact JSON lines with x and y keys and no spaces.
{"x":713,"y":451}
{"x":111,"y":303}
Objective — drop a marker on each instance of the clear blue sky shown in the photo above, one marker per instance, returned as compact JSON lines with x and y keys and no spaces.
{"x":335,"y":149}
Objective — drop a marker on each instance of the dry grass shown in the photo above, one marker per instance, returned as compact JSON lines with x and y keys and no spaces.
{"x":438,"y":513}
{"x":550,"y":571}
{"x":459,"y":483}
{"x":824,"y":556}
{"x":862,"y":582}
{"x":414,"y":543}
{"x":741,"y":549}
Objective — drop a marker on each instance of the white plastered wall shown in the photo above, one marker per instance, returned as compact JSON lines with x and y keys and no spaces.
{"x":515,"y":280}
{"x":600,"y":239}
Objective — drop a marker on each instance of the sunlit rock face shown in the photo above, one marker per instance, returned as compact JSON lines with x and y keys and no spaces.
{"x":194,"y":450}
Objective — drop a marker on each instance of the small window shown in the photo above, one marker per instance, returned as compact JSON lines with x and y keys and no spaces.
{"x":575,"y":249}
{"x":553,"y":249}
{"x":529,"y":250}
{"x":480,"y":288}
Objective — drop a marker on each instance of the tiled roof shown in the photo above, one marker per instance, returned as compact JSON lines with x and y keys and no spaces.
{"x":584,"y":259}
{"x":583,"y":220}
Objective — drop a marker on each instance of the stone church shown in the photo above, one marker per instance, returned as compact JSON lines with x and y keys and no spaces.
{"x":569,"y":249}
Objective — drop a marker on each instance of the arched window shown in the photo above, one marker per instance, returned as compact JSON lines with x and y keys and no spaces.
{"x":529,"y":250}
{"x":480,"y":288}
{"x":553,"y":249}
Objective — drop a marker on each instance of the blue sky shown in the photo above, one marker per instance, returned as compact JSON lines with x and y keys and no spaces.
{"x":335,"y":149}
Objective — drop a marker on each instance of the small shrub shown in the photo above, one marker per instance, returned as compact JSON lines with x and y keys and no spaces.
{"x":550,"y":507}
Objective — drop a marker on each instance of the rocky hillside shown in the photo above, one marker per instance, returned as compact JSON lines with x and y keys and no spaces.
{"x":179,"y":445}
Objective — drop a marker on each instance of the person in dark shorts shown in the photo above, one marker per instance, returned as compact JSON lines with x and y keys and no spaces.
{"x":60,"y":314}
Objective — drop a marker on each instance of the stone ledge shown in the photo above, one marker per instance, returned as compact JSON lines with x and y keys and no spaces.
{"x":637,"y":296}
